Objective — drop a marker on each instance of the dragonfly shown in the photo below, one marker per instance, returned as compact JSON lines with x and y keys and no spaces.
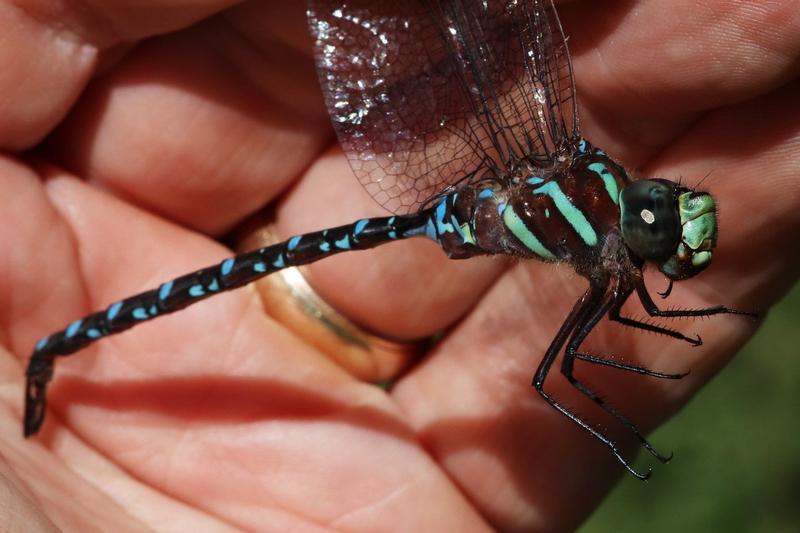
{"x":460,"y":118}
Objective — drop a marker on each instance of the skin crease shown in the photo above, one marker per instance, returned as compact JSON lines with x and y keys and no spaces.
{"x":218,"y":419}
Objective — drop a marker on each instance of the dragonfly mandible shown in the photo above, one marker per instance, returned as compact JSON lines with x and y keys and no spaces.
{"x":460,"y":117}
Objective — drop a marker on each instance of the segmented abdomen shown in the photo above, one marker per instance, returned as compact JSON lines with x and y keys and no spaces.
{"x":229,"y":274}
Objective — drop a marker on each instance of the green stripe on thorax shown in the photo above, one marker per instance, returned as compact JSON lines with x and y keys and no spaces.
{"x":572,"y":214}
{"x":518,"y":228}
{"x":608,"y":180}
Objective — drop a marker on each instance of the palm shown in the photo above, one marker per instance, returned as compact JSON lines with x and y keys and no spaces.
{"x":217,"y":416}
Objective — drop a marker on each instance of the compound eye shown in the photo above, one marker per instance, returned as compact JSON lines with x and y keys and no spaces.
{"x":650,"y":223}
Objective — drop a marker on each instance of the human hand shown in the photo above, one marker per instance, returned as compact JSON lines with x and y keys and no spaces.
{"x":217,"y":417}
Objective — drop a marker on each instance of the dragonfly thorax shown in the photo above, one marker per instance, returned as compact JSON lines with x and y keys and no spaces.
{"x":670,"y":225}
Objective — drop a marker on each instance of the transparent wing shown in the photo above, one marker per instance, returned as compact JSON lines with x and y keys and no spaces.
{"x":428,"y":94}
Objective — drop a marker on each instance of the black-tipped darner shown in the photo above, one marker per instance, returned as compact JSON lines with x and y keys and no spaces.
{"x":461,"y":118}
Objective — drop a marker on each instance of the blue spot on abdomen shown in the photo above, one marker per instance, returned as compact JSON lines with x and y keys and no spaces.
{"x":73,"y":328}
{"x":293,"y":242}
{"x":41,"y":343}
{"x":196,"y":290}
{"x":343,"y":243}
{"x":227,"y":266}
{"x":113,"y":310}
{"x":164,"y":290}
{"x":360,"y":225}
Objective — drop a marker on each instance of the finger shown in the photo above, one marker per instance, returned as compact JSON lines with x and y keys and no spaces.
{"x":73,"y":491}
{"x":50,"y":49}
{"x":203,"y":126}
{"x":646,"y":69}
{"x":33,"y":234}
{"x":38,"y":501}
{"x":472,"y":401}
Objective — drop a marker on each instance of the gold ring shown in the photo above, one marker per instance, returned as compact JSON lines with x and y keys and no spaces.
{"x":289,"y":298}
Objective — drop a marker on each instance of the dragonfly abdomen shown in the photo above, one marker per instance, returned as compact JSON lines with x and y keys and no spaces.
{"x":231,"y":273}
{"x":183,"y":291}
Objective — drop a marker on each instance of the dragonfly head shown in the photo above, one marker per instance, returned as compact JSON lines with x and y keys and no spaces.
{"x":672,"y":226}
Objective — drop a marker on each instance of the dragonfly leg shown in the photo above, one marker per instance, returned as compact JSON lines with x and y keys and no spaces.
{"x":664,"y":295}
{"x":627,"y":367}
{"x":584,"y":315}
{"x":613,"y":313}
{"x":568,"y":367}
{"x":619,"y":416}
{"x":596,"y":434}
{"x":653,"y":310}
